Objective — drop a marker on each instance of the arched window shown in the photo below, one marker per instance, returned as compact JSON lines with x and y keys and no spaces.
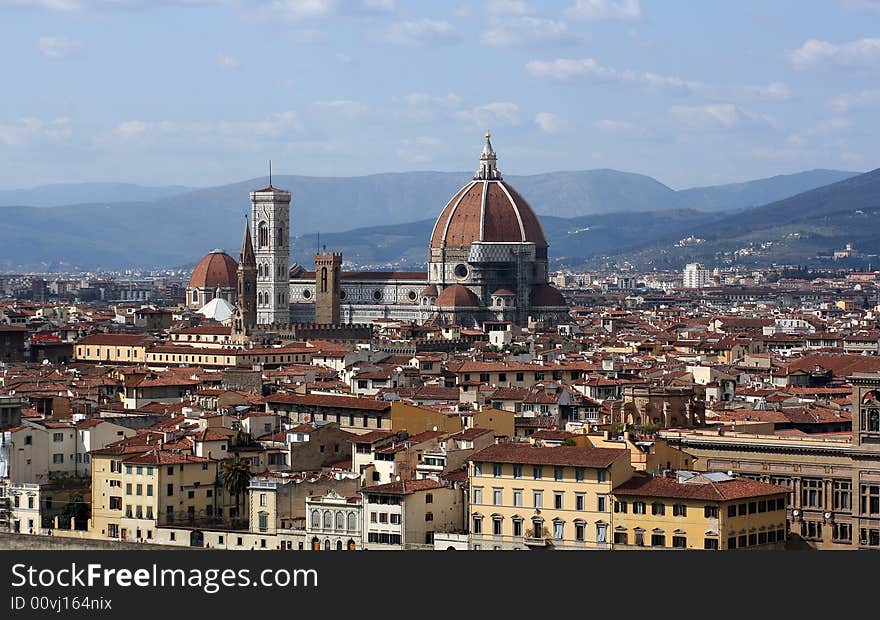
{"x":340,"y":521}
{"x":263,"y":235}
{"x":316,"y":519}
{"x":328,"y":520}
{"x":323,"y":279}
{"x":195,"y":296}
{"x":352,"y":521}
{"x":327,"y":545}
{"x":339,"y":545}
{"x":279,"y":237}
{"x":874,"y":420}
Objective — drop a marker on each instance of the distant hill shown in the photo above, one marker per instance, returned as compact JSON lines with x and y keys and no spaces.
{"x":181,"y":227}
{"x":755,"y":193}
{"x":78,"y":193}
{"x":800,"y":229}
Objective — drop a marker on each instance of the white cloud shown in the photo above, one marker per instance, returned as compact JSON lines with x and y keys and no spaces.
{"x":86,"y":5}
{"x":528,"y":31}
{"x":856,"y":101}
{"x":605,"y":10}
{"x":425,"y":108}
{"x":507,"y":7}
{"x":57,"y":48}
{"x":862,"y":5}
{"x":345,"y":108}
{"x":228,"y":62}
{"x":824,"y":130}
{"x":239,"y":133}
{"x":774,"y":91}
{"x":548,"y":122}
{"x":624,"y":129}
{"x":861,"y":53}
{"x":491,"y":114}
{"x":419,"y":150}
{"x":569,"y":69}
{"x":420,"y":32}
{"x":28,"y":130}
{"x":716,"y":116}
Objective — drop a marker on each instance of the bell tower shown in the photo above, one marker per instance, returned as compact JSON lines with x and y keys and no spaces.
{"x":270,"y":213}
{"x":328,"y":272}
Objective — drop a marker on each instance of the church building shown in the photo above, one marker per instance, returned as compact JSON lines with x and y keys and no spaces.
{"x":487,"y":261}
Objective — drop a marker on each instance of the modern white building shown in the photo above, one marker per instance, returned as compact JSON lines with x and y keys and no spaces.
{"x":695,"y":275}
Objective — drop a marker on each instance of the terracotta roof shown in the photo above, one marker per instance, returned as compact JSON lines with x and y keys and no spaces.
{"x":563,"y":455}
{"x":486,"y":210}
{"x":643,"y":485}
{"x":215,"y":269}
{"x":115,"y":340}
{"x":457,"y":296}
{"x":404,"y":487}
{"x":324,"y":400}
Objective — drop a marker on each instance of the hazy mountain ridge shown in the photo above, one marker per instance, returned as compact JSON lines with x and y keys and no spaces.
{"x":180,"y":228}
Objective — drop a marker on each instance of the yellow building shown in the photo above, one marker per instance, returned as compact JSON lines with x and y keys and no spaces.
{"x":135,"y":489}
{"x":698,"y":511}
{"x":649,"y":453}
{"x":112,"y":348}
{"x":523,"y":496}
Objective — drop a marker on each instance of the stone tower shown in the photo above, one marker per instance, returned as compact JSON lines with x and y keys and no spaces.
{"x":328,"y":272}
{"x":270,"y":210}
{"x":247,"y":281}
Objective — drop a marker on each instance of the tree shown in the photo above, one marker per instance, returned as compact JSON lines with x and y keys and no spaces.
{"x":236,"y":477}
{"x":76,"y":509}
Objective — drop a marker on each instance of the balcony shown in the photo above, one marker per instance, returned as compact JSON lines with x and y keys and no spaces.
{"x":531,"y":541}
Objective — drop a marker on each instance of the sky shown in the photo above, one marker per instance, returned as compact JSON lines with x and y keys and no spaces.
{"x":204,"y":92}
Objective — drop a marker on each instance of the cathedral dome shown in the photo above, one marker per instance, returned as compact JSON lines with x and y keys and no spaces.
{"x":217,"y":269}
{"x":457,"y":296}
{"x":486,"y":209}
{"x":546,"y":295}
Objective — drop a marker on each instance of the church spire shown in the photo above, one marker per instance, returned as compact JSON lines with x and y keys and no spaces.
{"x":488,"y":162}
{"x":246,"y":257}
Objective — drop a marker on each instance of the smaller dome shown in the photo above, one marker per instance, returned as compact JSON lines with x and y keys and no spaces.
{"x":503,"y":292}
{"x":458,"y":296}
{"x":545,"y":295}
{"x":217,"y":269}
{"x":430,"y":291}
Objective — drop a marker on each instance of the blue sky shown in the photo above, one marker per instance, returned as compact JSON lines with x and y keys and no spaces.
{"x":203,"y":92}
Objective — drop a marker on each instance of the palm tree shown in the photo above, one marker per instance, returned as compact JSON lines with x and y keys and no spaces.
{"x":236,"y":477}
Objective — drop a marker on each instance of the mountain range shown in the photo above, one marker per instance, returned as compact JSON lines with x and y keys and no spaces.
{"x":377,"y":220}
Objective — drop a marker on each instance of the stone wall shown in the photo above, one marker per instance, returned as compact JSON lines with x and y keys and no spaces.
{"x":33,"y":542}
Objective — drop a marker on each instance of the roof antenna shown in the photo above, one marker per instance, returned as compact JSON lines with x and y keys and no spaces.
{"x":270,"y":173}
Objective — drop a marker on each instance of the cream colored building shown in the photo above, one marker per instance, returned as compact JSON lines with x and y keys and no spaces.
{"x":525,"y":497}
{"x":136,"y":489}
{"x":687,"y":510}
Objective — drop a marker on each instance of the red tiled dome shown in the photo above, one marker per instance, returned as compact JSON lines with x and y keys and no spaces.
{"x":544,"y":295}
{"x":217,"y":269}
{"x":457,"y":296}
{"x":486,"y":210}
{"x":503,"y":292}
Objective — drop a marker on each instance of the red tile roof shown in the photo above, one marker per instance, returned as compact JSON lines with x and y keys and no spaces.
{"x":644,"y":485}
{"x":572,"y":456}
{"x":404,"y":487}
{"x":324,"y":400}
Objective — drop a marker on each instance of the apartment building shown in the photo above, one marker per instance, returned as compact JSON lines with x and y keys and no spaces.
{"x":527,"y":497}
{"x":688,"y":510}
{"x":137,"y":488}
{"x":405,"y":514}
